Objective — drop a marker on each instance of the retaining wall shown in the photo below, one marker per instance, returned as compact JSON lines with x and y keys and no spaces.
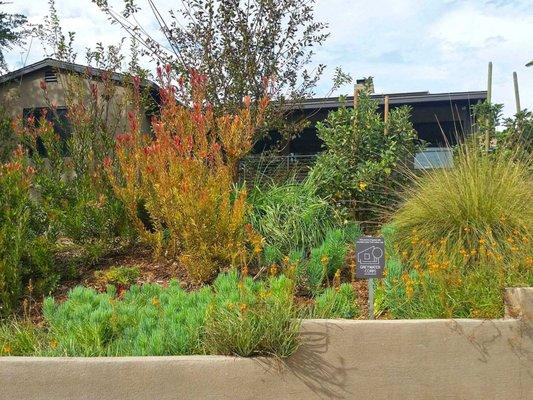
{"x":339,"y":359}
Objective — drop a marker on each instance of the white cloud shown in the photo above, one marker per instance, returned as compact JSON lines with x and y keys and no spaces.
{"x":406,"y":45}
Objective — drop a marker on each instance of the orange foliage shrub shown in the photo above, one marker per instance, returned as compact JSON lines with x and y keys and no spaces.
{"x":183,"y":179}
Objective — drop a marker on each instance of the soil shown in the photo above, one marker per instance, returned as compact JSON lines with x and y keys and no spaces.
{"x":153,"y":270}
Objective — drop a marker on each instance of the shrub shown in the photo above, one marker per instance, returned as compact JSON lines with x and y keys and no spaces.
{"x":236,"y":316}
{"x":516,"y":135}
{"x":118,"y":276}
{"x":329,"y":257}
{"x":25,"y":255}
{"x":258,"y":319}
{"x":336,"y":303}
{"x":183,"y":179}
{"x":461,"y":236}
{"x":8,"y":140}
{"x":363,"y":156}
{"x":291,"y":216}
{"x":74,"y":191}
{"x":20,"y":338}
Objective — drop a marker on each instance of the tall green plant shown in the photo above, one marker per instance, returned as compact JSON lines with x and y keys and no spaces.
{"x":363,"y":155}
{"x":291,"y":216}
{"x":26,"y":263}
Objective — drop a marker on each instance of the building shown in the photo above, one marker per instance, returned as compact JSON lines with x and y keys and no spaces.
{"x":439,"y":119}
{"x":22,"y":94}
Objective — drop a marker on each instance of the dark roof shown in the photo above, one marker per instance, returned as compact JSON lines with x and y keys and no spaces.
{"x":396,"y":99}
{"x":66,"y":66}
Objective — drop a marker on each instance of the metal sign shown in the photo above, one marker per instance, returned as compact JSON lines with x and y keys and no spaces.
{"x":370,"y":257}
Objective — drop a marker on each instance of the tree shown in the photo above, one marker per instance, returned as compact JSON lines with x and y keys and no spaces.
{"x":239,"y":45}
{"x":12,"y":33}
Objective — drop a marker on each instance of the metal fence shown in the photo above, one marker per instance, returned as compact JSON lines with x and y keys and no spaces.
{"x":256,"y":168}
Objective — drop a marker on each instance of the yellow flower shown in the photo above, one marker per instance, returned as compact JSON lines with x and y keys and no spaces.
{"x":6,"y":349}
{"x":155,"y":302}
{"x":409,"y":291}
{"x":53,"y":343}
{"x":362,"y":185}
{"x":243,"y":307}
{"x":337,"y":279}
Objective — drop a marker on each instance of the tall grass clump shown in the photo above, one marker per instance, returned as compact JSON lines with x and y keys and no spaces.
{"x":461,"y":235}
{"x":259,"y":318}
{"x":291,"y":215}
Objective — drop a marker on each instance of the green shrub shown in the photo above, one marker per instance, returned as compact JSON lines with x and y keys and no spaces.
{"x":234,"y":316}
{"x":20,"y":338}
{"x":291,"y":216}
{"x":8,"y":139}
{"x":26,"y":261}
{"x":336,"y":303}
{"x":326,"y":259}
{"x":363,"y":156}
{"x":118,"y":276}
{"x":460,"y":236}
{"x":258,"y":319}
{"x":516,"y":135}
{"x":271,"y":255}
{"x":148,"y":320}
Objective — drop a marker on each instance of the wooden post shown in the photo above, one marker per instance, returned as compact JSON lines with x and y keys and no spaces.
{"x":386,"y":113}
{"x":489,"y":99}
{"x":355,"y":94}
{"x":516,"y":93}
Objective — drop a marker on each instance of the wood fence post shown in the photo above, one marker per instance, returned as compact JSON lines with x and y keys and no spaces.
{"x":386,"y":113}
{"x":489,"y":99}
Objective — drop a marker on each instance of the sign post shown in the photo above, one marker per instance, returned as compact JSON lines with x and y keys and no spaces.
{"x":370,"y":263}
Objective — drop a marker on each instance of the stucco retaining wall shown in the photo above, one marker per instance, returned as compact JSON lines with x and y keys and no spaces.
{"x":340,"y":359}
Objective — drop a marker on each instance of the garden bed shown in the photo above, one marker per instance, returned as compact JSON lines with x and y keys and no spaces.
{"x":414,"y":359}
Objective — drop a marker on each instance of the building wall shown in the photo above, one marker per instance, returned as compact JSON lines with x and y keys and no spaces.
{"x":16,"y":96}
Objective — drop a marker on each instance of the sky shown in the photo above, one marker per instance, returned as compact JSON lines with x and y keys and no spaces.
{"x":406,"y":45}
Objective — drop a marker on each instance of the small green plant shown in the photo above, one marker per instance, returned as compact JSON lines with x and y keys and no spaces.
{"x":258,"y":319}
{"x":20,"y":338}
{"x":118,"y":276}
{"x":336,"y":303}
{"x":326,"y":259}
{"x":237,"y":316}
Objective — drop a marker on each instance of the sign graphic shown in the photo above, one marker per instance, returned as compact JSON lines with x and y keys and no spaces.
{"x":370,"y":257}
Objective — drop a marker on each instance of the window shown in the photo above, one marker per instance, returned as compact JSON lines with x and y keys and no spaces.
{"x":59,"y":120}
{"x":50,"y":76}
{"x":434,"y":157}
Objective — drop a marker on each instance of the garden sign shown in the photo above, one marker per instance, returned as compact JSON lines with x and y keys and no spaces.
{"x":370,"y":263}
